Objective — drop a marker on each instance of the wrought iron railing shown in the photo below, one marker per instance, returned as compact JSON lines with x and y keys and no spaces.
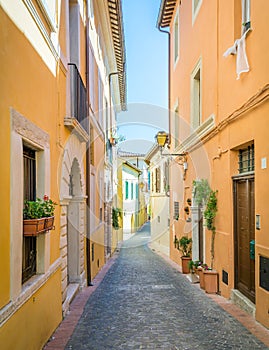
{"x":78,"y":94}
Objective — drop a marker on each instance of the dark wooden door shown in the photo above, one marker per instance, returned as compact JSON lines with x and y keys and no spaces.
{"x":244,"y":200}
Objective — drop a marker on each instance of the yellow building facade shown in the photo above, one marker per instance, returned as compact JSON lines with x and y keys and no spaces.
{"x":218,"y":107}
{"x":49,"y":130}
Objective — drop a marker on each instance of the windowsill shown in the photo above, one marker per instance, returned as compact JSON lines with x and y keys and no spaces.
{"x":197,"y":134}
{"x":28,"y":289}
{"x":74,"y":126}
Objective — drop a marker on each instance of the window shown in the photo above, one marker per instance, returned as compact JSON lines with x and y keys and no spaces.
{"x":246,"y":159}
{"x":100,"y":100}
{"x":166,"y":177}
{"x":245,"y":15}
{"x":176,"y":126}
{"x":132,"y":191}
{"x":157,"y":177}
{"x":196,"y":4}
{"x":176,"y":210}
{"x":196,"y":96}
{"x":176,"y":38}
{"x":48,"y":8}
{"x":29,"y":243}
{"x":91,"y":145}
{"x":126,"y":190}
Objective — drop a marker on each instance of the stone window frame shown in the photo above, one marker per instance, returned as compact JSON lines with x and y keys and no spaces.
{"x":196,"y":121}
{"x":176,"y":37}
{"x":195,"y":9}
{"x":23,"y":131}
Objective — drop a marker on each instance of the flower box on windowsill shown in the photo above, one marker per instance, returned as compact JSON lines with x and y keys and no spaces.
{"x":49,"y":223}
{"x":33,"y":227}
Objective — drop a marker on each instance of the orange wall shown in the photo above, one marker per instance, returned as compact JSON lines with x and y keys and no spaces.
{"x":223,"y":94}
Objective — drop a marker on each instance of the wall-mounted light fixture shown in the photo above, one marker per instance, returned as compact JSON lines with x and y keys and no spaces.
{"x":162,"y":139}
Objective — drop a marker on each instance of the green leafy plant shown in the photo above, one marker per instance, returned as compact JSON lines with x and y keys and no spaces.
{"x":209,"y":215}
{"x":185,"y":246}
{"x":201,"y":191}
{"x":116,"y":213}
{"x":40,"y":208}
{"x":204,"y":195}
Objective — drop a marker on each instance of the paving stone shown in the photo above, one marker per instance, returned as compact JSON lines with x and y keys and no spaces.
{"x":144,"y":303}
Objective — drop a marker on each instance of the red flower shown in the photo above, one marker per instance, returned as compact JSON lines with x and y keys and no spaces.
{"x":46,"y":198}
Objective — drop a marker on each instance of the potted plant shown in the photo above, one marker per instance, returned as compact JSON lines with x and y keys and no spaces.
{"x":185,"y":246}
{"x":38,"y":216}
{"x":116,"y":214}
{"x":116,"y":138}
{"x":205,"y":196}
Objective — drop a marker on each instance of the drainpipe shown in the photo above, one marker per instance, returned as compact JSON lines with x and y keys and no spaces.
{"x":88,"y":160}
{"x":169,"y":81}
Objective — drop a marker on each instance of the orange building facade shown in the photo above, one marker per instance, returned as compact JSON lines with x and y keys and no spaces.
{"x":218,"y":117}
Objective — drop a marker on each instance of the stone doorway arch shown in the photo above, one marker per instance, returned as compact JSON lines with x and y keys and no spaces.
{"x":72,"y":187}
{"x":75,"y":227}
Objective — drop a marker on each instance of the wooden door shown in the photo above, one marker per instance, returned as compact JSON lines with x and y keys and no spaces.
{"x":244,"y":204}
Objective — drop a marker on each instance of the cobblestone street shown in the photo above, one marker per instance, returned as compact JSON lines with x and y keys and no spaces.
{"x":144,"y":303}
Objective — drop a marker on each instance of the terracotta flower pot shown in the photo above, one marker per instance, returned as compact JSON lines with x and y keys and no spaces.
{"x":185,"y":264}
{"x":32,"y":227}
{"x":211,"y":281}
{"x":49,"y":223}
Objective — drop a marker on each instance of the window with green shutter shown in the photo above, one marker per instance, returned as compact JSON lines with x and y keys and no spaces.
{"x":126,"y":190}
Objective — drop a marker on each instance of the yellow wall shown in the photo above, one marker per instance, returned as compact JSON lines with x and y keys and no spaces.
{"x":31,"y":326}
{"x":28,"y":86}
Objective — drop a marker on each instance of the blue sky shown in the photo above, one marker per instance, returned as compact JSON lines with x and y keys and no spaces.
{"x":146,"y":53}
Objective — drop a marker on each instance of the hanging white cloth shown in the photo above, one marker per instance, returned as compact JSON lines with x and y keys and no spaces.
{"x":239,"y":49}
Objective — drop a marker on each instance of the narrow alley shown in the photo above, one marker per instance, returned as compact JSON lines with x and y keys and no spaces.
{"x":145,"y":303}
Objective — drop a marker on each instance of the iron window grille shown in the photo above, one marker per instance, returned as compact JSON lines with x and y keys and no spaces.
{"x":78,"y":94}
{"x":176,"y":210}
{"x":246,"y":159}
{"x":29,"y":243}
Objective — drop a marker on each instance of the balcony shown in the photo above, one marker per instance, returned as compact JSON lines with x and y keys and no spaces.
{"x":77,"y":122}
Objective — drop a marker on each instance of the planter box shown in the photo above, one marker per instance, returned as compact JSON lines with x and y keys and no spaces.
{"x":32,"y":227}
{"x":49,"y":223}
{"x":185,"y":264}
{"x":211,"y":281}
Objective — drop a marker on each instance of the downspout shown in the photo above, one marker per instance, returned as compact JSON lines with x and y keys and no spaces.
{"x":169,"y":81}
{"x":88,"y":160}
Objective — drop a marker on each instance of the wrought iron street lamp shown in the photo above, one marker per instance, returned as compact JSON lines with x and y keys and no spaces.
{"x":162,"y":139}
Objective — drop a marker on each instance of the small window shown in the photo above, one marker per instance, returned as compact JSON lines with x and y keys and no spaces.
{"x":176,"y":126}
{"x":166,"y":177}
{"x":126,"y":190}
{"x":196,"y":4}
{"x":132,"y":191}
{"x":92,"y":145}
{"x":245,"y":15}
{"x":246,"y":159}
{"x":176,"y":38}
{"x":176,"y":210}
{"x":196,"y":96}
{"x":157,"y":183}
